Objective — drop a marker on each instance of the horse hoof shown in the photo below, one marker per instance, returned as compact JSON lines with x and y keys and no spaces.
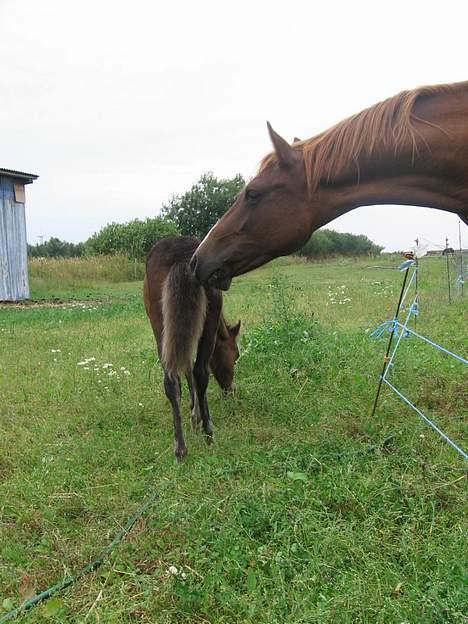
{"x":180,"y":453}
{"x":195,"y":424}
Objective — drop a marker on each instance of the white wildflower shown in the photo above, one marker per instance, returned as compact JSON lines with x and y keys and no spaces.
{"x":86,"y":361}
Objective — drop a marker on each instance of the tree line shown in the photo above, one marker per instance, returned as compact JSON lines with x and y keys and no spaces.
{"x":191,"y":213}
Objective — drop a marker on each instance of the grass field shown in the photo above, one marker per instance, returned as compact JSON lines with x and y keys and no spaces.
{"x":305,"y":510}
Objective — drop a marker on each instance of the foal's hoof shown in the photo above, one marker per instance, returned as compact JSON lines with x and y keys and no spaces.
{"x":195,"y":422}
{"x":209,"y":438}
{"x":180,"y":452}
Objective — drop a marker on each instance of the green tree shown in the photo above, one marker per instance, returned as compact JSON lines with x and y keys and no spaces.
{"x":56,"y":248}
{"x":331,"y":243}
{"x":133,"y":239}
{"x":197,"y":210}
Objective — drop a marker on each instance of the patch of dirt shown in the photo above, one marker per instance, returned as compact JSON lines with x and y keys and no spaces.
{"x":48,"y":303}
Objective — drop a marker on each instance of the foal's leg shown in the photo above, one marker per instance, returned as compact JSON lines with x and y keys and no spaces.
{"x":201,"y":371}
{"x":172,"y":388}
{"x":194,"y":406}
{"x":189,"y":378}
{"x":201,"y":375}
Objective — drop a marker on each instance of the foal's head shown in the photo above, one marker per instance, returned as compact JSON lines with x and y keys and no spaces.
{"x":225,"y":354}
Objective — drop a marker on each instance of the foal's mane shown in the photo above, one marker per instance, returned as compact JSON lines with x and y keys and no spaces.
{"x":388,"y":124}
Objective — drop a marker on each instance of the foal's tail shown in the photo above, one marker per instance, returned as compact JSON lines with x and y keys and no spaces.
{"x":184,"y":306}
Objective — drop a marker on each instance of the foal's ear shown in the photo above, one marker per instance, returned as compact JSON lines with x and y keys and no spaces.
{"x":235,"y":329}
{"x":283,"y":150}
{"x":296,"y":140}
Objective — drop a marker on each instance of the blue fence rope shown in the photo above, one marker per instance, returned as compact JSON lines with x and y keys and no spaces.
{"x":392,"y":326}
{"x":434,"y":344}
{"x":426,"y":419}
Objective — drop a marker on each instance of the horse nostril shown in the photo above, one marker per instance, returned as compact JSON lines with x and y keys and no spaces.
{"x":193,"y":265}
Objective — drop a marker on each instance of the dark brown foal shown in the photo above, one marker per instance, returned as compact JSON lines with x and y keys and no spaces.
{"x":191,"y":333}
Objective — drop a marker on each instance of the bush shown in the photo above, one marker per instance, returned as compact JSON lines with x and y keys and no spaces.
{"x":330,"y":243}
{"x":134,"y":239}
{"x":196,"y":211}
{"x":56,"y":248}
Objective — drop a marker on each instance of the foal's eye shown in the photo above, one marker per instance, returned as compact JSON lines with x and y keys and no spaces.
{"x":252,"y":195}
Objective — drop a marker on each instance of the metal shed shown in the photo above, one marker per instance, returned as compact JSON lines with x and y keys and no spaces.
{"x":14,"y":283}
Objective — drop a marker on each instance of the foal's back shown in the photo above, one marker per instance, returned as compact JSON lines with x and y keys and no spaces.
{"x":175,"y":302}
{"x":163,"y":256}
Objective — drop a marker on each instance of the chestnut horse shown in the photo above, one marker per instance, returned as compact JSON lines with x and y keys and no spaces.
{"x":410,"y":149}
{"x":191,"y":333}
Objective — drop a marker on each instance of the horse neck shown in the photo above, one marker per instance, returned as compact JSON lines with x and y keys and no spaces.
{"x":433,"y":173}
{"x":404,"y":190}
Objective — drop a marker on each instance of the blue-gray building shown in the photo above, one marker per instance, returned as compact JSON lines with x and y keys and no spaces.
{"x":14,"y":283}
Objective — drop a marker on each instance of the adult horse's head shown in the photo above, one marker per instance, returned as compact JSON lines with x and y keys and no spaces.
{"x":271,"y":217}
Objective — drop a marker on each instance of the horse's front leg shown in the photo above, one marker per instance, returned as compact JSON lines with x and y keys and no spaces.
{"x":172,"y":388}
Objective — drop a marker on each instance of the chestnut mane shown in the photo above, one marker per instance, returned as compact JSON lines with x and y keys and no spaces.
{"x":389,"y":124}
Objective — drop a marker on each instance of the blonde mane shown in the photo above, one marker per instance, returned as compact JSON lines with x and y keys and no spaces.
{"x":389,"y":124}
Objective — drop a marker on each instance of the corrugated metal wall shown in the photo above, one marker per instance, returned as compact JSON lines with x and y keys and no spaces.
{"x":14,"y":284}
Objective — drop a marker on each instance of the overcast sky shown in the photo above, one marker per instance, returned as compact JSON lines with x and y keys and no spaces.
{"x":118,"y":105}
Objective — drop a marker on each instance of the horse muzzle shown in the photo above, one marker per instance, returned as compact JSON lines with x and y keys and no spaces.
{"x":210,"y":273}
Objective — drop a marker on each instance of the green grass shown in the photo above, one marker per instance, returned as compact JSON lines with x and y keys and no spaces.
{"x":82,"y":278}
{"x":305,"y":510}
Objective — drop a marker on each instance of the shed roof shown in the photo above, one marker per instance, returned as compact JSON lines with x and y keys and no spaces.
{"x":27,"y":178}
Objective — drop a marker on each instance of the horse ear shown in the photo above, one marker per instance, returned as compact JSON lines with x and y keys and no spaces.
{"x":296,"y":140}
{"x":235,"y":329}
{"x":283,"y":150}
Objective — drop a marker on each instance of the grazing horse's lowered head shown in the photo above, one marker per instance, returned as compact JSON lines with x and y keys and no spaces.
{"x":411,"y":149}
{"x":225,"y":355}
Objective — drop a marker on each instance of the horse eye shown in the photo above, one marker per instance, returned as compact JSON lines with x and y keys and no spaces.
{"x":252,"y":195}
